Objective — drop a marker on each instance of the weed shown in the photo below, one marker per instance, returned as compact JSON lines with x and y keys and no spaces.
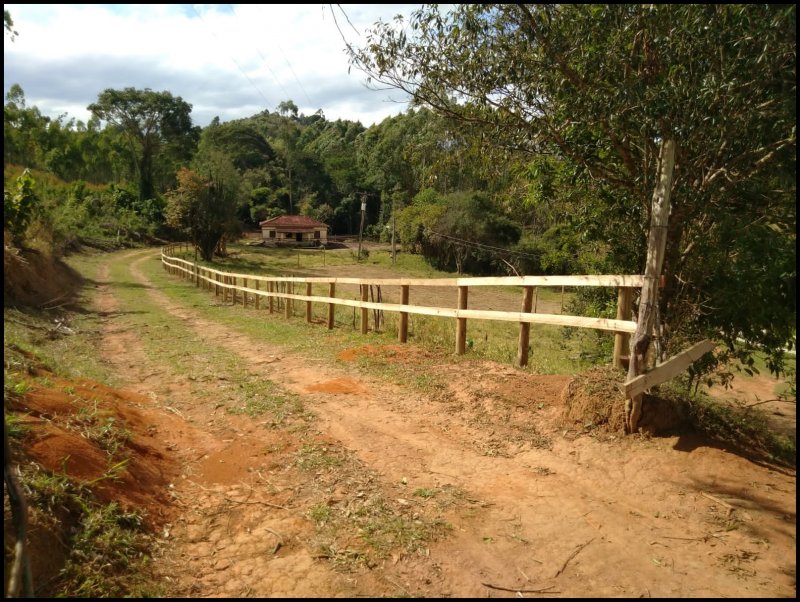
{"x":745,"y":429}
{"x":15,"y":427}
{"x":106,"y":431}
{"x":107,"y":547}
{"x":314,"y":457}
{"x":425,"y":493}
{"x":320,"y":514}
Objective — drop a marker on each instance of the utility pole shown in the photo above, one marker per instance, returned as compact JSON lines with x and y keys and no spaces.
{"x":361,"y":228}
{"x":394,"y":223}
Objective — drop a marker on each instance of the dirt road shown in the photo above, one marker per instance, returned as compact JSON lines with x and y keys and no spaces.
{"x":473,"y":487}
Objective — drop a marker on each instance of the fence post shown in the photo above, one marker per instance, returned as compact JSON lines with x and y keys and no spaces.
{"x":364,"y":310}
{"x":624,"y":310}
{"x":244,"y":293}
{"x":287,"y":303}
{"x":258,"y":297}
{"x":271,"y":289}
{"x":308,"y":303}
{"x":402,"y":333}
{"x":524,"y":328}
{"x":331,"y":306}
{"x":461,"y":323}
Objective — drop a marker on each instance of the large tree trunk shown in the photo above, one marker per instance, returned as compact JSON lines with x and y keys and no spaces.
{"x":146,"y":186}
{"x":648,"y":303}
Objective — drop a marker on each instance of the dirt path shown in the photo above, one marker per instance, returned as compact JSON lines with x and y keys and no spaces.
{"x":539,"y":511}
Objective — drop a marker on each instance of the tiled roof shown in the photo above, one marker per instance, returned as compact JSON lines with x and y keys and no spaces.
{"x":292,"y":221}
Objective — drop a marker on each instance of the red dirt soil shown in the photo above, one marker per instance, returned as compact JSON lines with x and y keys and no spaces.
{"x":540,"y":505}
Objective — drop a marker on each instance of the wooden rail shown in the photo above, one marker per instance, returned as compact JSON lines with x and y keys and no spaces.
{"x":668,"y":369}
{"x":223,"y":282}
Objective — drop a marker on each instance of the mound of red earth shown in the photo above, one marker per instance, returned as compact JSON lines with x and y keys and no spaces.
{"x":100,"y":437}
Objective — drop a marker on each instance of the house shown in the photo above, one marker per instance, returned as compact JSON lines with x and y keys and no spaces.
{"x":294,"y":231}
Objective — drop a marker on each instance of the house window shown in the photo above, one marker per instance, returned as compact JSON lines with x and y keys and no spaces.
{"x":316,"y":234}
{"x":272,"y":233}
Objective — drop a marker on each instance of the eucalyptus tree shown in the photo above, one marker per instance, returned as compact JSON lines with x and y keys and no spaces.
{"x":151,"y":122}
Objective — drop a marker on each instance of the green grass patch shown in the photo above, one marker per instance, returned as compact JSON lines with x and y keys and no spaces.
{"x":106,"y":548}
{"x":553,"y":350}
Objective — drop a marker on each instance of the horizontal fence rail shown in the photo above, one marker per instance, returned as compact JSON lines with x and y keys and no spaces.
{"x":227,"y":282}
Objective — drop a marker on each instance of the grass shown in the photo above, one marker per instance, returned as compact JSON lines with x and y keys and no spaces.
{"x":105,"y":430}
{"x":70,"y":352}
{"x":553,"y":350}
{"x":745,"y":429}
{"x":106,"y":548}
{"x":15,"y":427}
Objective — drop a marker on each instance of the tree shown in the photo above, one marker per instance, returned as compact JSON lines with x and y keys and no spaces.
{"x":19,"y":206}
{"x":150,"y":121}
{"x":600,"y":87}
{"x":205,"y":201}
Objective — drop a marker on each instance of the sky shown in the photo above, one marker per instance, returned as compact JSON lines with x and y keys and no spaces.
{"x":226,"y":60}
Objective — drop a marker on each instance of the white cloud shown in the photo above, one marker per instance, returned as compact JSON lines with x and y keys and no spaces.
{"x":226,"y":60}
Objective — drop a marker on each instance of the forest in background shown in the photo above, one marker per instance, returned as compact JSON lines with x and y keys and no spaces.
{"x":535,"y":164}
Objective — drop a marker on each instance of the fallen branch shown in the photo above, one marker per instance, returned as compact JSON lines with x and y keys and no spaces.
{"x":722,"y":503}
{"x":575,"y":552}
{"x":544,"y":590}
{"x":227,"y":499}
{"x":758,"y":403}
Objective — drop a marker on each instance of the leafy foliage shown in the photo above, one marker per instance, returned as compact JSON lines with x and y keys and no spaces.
{"x":152,"y":122}
{"x":597,"y":87}
{"x":18,"y":206}
{"x":204,"y":203}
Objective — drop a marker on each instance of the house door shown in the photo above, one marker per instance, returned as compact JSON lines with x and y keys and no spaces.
{"x":299,"y":237}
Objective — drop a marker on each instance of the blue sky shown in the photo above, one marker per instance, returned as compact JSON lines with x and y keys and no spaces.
{"x":229,"y":60}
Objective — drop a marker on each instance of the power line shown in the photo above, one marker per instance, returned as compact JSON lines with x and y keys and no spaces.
{"x":235,"y":62}
{"x":310,"y":103}
{"x":266,"y":62}
{"x":479,"y":245}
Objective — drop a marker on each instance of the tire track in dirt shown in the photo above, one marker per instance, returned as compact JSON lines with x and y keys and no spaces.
{"x":542,"y":504}
{"x":237,"y":534}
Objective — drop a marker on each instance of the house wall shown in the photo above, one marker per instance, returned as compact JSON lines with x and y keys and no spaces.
{"x":292,"y":236}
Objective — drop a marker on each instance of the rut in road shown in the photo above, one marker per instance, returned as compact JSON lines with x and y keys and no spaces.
{"x":616,"y":503}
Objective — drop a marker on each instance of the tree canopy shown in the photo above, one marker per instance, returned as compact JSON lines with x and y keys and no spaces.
{"x":598,"y":87}
{"x":151,"y":121}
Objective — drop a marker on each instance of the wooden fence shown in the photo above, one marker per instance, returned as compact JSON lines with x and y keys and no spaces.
{"x":275,"y":287}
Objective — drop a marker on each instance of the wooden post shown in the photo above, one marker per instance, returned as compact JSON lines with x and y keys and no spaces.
{"x":648,"y":302}
{"x":271,"y":289}
{"x":331,"y":306}
{"x":364,"y":310}
{"x":258,"y":297}
{"x":308,"y":303}
{"x":461,"y":323}
{"x":622,"y":339}
{"x":402,"y":334}
{"x":562,"y":299}
{"x":234,"y":281}
{"x":524,"y":328}
{"x":244,"y":294}
{"x":287,"y":303}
